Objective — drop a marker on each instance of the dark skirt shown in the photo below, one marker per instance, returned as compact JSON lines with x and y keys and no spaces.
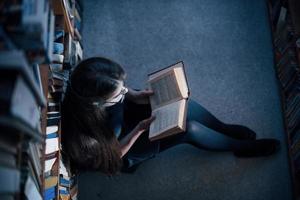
{"x":143,"y":149}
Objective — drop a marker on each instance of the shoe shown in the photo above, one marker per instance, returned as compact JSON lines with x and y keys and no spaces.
{"x":240,"y":132}
{"x":126,"y":168}
{"x":130,"y":170}
{"x":261,"y":147}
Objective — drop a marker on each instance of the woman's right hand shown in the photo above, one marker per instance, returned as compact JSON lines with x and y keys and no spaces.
{"x":130,"y":139}
{"x":144,"y":124}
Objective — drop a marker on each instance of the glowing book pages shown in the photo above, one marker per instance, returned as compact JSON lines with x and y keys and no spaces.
{"x":169,"y":102}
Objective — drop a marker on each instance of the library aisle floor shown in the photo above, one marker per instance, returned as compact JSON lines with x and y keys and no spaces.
{"x":227,"y":50}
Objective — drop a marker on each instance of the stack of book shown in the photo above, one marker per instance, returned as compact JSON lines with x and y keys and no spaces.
{"x":20,"y":147}
{"x":51,"y":153}
{"x":67,"y":52}
{"x":55,"y":171}
{"x":77,"y":20}
{"x":39,"y":46}
{"x":30,"y":25}
{"x":287,"y":54}
{"x":26,"y":38}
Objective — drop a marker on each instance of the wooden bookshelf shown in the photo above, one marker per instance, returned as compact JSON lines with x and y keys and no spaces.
{"x":295,"y":181}
{"x":23,"y":142}
{"x":59,"y":8}
{"x":294,"y":8}
{"x":44,"y":73}
{"x":285,"y":49}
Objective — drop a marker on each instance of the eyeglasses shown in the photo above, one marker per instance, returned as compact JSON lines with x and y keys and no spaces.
{"x":119,"y":98}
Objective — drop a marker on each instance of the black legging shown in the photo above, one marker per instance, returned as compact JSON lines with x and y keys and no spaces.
{"x":207,"y":132}
{"x":203,"y":131}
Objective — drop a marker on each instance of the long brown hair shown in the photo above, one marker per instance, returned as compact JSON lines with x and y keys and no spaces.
{"x":87,"y":140}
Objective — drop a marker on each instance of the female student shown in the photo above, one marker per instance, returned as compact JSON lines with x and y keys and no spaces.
{"x":105,"y":124}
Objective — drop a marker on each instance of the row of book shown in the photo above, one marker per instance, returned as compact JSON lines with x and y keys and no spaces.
{"x":67,"y":52}
{"x":21,"y":151}
{"x":26,"y":38}
{"x":59,"y":183}
{"x":30,"y":25}
{"x":37,"y":52}
{"x":72,"y":12}
{"x":287,"y":53}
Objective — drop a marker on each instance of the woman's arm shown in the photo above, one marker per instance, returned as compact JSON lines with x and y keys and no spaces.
{"x":127,"y":141}
{"x":139,"y":96}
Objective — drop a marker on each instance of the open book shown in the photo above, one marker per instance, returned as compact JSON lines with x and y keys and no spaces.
{"x":169,"y":102}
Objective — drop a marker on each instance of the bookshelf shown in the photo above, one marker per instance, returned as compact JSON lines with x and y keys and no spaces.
{"x":60,"y":8}
{"x":285,"y":21}
{"x":39,"y":46}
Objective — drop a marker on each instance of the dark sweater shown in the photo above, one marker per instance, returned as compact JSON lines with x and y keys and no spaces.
{"x":123,"y":117}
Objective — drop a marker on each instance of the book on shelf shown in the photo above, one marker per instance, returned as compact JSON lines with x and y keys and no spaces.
{"x":74,"y":191}
{"x":34,"y":32}
{"x":53,"y":114}
{"x":52,"y":121}
{"x":63,"y":170}
{"x":16,"y":61}
{"x":61,"y":75}
{"x":62,"y":8}
{"x":64,"y":180}
{"x":295,"y":144}
{"x":31,"y":185}
{"x":31,"y":191}
{"x":68,"y":48}
{"x":53,"y":107}
{"x":7,"y":159}
{"x":55,"y":67}
{"x":5,"y":42}
{"x":58,"y":48}
{"x":35,"y":16}
{"x":288,"y":72}
{"x":23,"y":104}
{"x":52,"y":145}
{"x":51,"y":181}
{"x":50,"y":193}
{"x":58,"y":58}
{"x":9,"y":166}
{"x":10,"y":180}
{"x":63,"y":190}
{"x":52,"y":136}
{"x":27,"y":172}
{"x":57,"y":82}
{"x":21,"y":95}
{"x":169,"y":102}
{"x":77,"y":22}
{"x":36,"y":29}
{"x":59,"y":34}
{"x":275,"y":9}
{"x":73,"y":52}
{"x":281,"y":19}
{"x":31,"y":162}
{"x":49,"y":164}
{"x":76,"y":53}
{"x":50,"y":37}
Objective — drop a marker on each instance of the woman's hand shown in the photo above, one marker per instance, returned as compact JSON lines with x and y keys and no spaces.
{"x":139,"y":97}
{"x":145,"y":124}
{"x":129,"y":140}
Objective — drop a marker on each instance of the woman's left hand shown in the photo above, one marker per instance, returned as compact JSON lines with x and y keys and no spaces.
{"x":139,"y":96}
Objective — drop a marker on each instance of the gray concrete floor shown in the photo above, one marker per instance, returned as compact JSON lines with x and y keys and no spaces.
{"x":227,"y":50}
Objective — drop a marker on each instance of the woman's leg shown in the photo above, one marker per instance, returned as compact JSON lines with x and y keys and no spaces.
{"x":203,"y":137}
{"x":198,"y":113}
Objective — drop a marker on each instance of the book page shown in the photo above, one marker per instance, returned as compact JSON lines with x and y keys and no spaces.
{"x":52,"y":145}
{"x":183,"y":87}
{"x":165,"y":90}
{"x":165,"y":70}
{"x":167,"y":117}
